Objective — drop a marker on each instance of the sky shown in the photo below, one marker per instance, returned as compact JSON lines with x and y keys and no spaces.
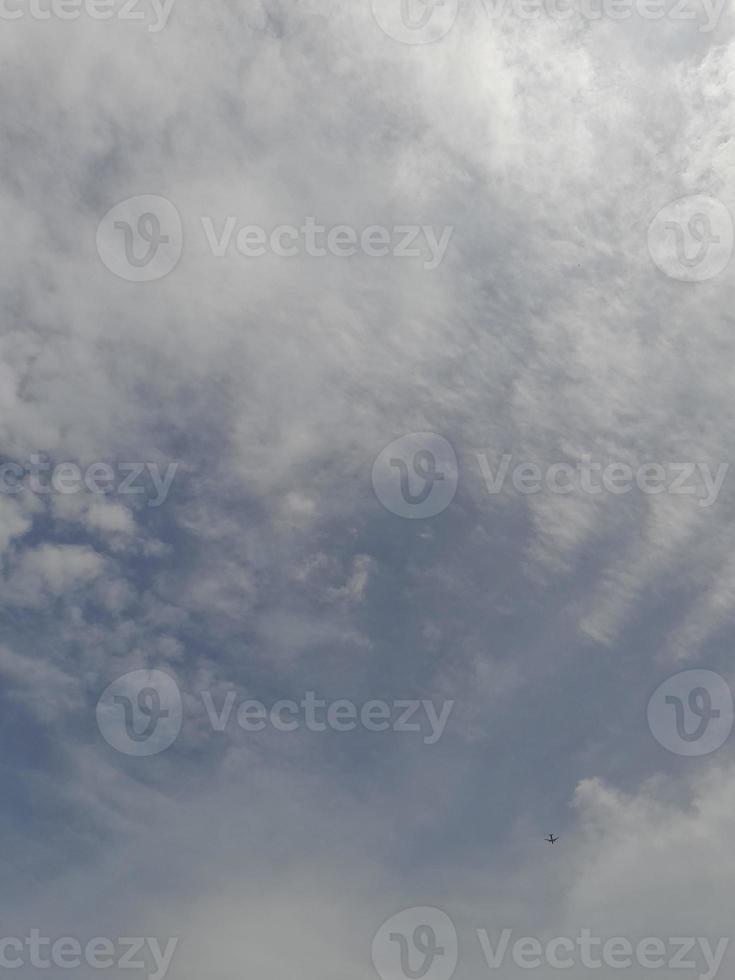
{"x":365,"y":509}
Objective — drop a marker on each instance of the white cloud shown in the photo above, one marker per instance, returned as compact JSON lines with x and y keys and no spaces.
{"x":51,"y":570}
{"x":13,"y":523}
{"x":271,"y":567}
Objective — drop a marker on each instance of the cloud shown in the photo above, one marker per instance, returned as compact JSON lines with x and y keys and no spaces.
{"x":52,"y":570}
{"x":270,"y":568}
{"x":13,"y":523}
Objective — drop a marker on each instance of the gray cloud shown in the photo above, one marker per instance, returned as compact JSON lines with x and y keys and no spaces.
{"x":270,"y":567}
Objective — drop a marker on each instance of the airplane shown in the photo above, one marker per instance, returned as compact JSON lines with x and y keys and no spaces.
{"x":551,"y":839}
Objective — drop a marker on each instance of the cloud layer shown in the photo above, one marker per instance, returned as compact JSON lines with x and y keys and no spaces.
{"x":270,"y":568}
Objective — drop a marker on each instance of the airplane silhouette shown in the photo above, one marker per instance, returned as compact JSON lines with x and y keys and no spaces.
{"x":551,"y":839}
